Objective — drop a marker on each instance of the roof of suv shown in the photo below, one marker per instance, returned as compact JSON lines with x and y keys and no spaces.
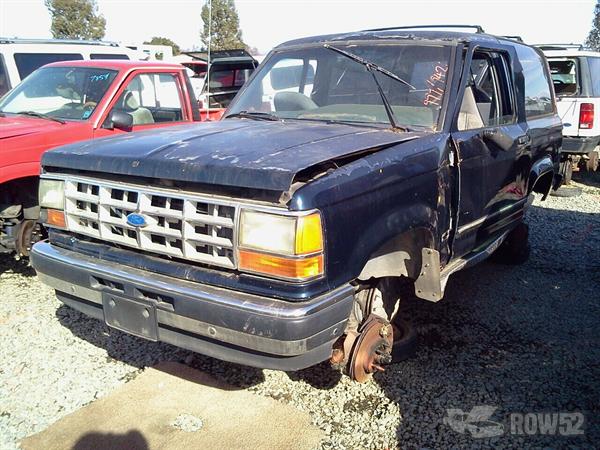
{"x":570,"y":53}
{"x":8,"y":40}
{"x":404,"y":33}
{"x":117,"y":64}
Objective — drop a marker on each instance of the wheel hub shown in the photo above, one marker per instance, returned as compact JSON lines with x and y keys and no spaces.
{"x":371,"y":349}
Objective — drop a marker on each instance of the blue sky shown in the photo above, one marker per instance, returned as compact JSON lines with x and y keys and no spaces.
{"x":266,"y":23}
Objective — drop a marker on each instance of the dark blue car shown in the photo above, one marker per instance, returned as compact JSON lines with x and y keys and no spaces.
{"x":276,"y":237}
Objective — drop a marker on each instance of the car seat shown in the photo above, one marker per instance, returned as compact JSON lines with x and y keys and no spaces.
{"x":141,"y":116}
{"x":469,"y":117}
{"x":293,"y":101}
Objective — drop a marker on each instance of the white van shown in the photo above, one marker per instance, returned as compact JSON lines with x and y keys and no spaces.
{"x":575,"y":74}
{"x":20,"y":57}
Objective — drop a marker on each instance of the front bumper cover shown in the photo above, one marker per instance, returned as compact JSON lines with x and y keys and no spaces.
{"x":233,"y":326}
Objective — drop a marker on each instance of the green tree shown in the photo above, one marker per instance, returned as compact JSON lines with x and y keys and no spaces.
{"x":76,"y":19}
{"x":225,"y":31}
{"x":157,"y":40}
{"x":593,"y":39}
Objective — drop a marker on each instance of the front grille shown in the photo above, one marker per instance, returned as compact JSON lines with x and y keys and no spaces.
{"x":184,"y":226}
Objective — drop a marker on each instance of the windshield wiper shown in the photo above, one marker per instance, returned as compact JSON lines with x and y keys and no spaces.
{"x":41,"y":116}
{"x":254,"y":115}
{"x":371,"y":67}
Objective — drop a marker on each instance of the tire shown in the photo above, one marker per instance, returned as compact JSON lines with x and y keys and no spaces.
{"x":515,"y":249}
{"x":405,"y":341}
{"x":567,"y":171}
{"x":591,"y":164}
{"x":567,"y":191}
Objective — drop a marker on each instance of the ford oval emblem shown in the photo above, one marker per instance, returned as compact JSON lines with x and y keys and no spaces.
{"x":136,"y":220}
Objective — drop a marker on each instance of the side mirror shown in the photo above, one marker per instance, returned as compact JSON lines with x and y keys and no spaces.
{"x":121,"y":120}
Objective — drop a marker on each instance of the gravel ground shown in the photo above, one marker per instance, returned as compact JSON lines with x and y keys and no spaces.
{"x":519,"y":339}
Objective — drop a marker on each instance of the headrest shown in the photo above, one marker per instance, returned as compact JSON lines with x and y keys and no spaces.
{"x":130,"y":102}
{"x":293,"y":101}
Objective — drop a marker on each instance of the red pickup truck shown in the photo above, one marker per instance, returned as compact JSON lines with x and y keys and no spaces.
{"x":70,"y":101}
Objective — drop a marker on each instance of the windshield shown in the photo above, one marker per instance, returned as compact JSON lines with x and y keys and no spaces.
{"x":70,"y":93}
{"x":318,"y":83}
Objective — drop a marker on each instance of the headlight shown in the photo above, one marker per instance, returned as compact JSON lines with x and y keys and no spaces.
{"x":52,"y":194}
{"x":52,"y":202}
{"x":268,"y":232}
{"x":282,"y":246}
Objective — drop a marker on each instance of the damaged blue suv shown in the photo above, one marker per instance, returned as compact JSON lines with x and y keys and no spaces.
{"x":276,"y":237}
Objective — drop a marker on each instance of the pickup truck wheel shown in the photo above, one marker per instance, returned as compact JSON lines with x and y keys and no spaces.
{"x":566,"y":169}
{"x":591,"y":165}
{"x":515,"y":249}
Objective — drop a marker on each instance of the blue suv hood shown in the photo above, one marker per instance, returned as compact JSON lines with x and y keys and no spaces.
{"x":233,"y":152}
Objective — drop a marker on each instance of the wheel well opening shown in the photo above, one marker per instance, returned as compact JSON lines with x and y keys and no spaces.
{"x":543,"y":184}
{"x":21,"y":194}
{"x":400,"y":256}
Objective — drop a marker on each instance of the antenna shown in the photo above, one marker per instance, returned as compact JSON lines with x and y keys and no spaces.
{"x":208,"y":60}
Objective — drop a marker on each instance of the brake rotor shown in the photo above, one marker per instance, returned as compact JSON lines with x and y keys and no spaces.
{"x":371,"y":349}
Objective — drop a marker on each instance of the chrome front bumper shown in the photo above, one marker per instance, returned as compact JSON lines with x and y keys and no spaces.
{"x":233,"y":326}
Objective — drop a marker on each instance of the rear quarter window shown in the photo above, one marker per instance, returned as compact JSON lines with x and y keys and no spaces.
{"x":538,"y":99}
{"x":565,"y":75}
{"x":28,"y":62}
{"x":594,"y":64}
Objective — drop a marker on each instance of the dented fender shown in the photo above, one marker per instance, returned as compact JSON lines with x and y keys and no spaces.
{"x":371,"y":201}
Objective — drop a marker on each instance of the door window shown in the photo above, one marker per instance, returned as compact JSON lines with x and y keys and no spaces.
{"x":151,"y":98}
{"x":488,"y":99}
{"x":538,"y":100}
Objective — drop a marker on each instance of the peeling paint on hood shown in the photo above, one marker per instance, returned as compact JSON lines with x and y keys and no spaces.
{"x":234,"y":152}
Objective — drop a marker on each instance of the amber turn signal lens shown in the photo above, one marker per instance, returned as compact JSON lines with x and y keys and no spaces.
{"x":56,"y":218}
{"x":281,"y":267}
{"x":309,"y":234}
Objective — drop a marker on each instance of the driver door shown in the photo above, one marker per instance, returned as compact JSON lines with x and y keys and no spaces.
{"x":491,"y":144}
{"x":152,"y":99}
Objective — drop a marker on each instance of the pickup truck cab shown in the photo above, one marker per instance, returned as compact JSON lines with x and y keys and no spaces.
{"x":229,"y":70}
{"x":575,"y":74}
{"x":72,"y":101}
{"x":276,"y":236}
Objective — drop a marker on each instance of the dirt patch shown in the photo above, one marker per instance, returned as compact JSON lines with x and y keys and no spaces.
{"x":172,"y":406}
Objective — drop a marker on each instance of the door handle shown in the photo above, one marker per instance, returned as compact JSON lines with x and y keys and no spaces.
{"x":498,"y":138}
